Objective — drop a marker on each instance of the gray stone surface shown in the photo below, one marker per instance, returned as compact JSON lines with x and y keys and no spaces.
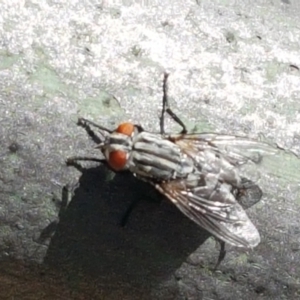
{"x":234,"y":68}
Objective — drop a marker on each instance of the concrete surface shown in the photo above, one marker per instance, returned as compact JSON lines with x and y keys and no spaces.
{"x":234,"y":68}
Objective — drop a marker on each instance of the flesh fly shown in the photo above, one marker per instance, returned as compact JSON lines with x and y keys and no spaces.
{"x":199,"y":173}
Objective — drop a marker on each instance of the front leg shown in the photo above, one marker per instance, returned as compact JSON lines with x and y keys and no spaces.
{"x":85,"y":124}
{"x":73,"y":161}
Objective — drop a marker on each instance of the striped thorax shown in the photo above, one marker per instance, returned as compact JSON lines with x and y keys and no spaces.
{"x":145,"y":154}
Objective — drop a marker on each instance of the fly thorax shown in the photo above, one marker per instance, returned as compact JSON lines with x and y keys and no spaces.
{"x":154,"y":156}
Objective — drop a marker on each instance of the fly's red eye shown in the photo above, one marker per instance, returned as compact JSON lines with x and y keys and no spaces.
{"x":126,"y":128}
{"x":117,"y":160}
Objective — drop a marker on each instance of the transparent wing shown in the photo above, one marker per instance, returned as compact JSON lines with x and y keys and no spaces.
{"x":236,"y":150}
{"x":215,"y":208}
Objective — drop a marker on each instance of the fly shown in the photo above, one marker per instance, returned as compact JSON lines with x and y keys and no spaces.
{"x":199,"y":173}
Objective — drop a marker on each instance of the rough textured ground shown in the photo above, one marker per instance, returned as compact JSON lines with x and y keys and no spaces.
{"x":234,"y":68}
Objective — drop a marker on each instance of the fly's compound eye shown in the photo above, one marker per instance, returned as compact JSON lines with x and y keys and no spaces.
{"x":117,"y":160}
{"x":125,"y":128}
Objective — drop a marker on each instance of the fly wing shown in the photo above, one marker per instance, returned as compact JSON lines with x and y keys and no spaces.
{"x":236,"y":150}
{"x":213,"y":193}
{"x":212,"y":207}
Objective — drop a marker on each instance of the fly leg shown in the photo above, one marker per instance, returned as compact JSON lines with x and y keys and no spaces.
{"x":128,"y":212}
{"x":84,"y":123}
{"x":222,"y":255}
{"x":166,"y":109}
{"x":73,"y":161}
{"x":84,"y":158}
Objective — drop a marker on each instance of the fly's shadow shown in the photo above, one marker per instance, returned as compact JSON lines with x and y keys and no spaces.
{"x":89,"y":237}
